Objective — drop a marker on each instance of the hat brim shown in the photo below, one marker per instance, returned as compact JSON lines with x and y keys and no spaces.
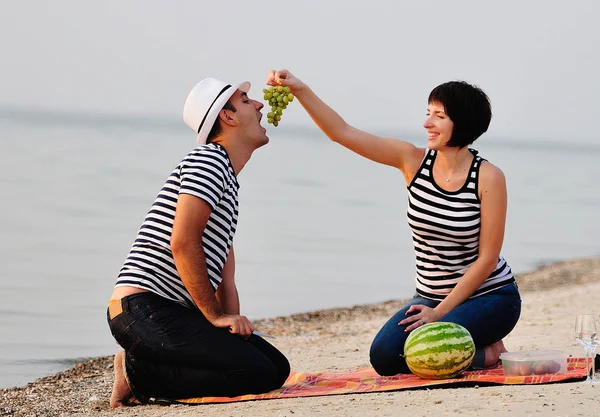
{"x":217,"y":107}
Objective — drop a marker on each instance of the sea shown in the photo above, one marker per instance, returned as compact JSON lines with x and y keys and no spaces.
{"x":319,"y":227}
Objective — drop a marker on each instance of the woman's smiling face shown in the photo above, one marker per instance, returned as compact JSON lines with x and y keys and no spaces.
{"x":438,"y":125}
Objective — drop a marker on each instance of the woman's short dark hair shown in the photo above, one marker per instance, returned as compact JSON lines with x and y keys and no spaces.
{"x":467,"y":106}
{"x":217,"y":129}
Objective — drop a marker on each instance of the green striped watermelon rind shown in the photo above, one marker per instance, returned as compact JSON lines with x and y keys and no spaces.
{"x":418,"y":350}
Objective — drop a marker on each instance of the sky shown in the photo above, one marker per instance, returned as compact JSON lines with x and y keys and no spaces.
{"x":374,"y":61}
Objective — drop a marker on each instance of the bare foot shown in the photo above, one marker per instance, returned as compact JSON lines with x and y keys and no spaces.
{"x":121,"y":392}
{"x":492,"y":353}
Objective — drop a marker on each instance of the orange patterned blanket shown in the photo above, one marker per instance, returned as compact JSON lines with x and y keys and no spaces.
{"x":301,"y":384}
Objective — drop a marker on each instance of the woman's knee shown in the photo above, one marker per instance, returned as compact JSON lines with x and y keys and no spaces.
{"x":390,"y":366}
{"x":386,"y":359}
{"x":382,"y":352}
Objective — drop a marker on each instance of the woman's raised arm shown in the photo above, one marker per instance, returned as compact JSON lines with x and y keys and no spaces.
{"x":393,"y":152}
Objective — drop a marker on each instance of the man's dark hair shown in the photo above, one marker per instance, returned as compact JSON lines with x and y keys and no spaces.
{"x":467,"y":106}
{"x":217,"y":129}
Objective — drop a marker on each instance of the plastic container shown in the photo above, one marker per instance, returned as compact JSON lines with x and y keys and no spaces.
{"x":534,"y":362}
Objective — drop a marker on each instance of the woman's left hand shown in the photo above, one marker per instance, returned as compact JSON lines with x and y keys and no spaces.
{"x":422,"y":316}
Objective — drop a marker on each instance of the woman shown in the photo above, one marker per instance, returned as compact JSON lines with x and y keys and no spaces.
{"x":456,"y":211}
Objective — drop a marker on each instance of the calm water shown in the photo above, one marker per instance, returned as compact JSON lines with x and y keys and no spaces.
{"x":319,"y":227}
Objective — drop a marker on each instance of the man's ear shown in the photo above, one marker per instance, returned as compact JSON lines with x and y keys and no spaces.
{"x":227,"y":117}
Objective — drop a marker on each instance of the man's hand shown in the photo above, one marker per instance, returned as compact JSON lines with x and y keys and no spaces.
{"x":235,"y":323}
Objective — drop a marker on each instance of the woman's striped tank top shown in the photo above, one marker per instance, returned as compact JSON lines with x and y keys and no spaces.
{"x":445,"y":231}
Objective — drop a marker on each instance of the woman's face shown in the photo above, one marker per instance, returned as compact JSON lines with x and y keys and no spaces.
{"x":438,"y":125}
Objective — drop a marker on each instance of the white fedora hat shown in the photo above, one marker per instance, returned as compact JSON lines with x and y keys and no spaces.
{"x":204,"y":103}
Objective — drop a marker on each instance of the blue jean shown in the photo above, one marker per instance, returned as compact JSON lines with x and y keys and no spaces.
{"x":489,"y":318}
{"x":174,"y":352}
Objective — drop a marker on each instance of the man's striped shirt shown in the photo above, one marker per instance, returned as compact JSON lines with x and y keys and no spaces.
{"x":206,"y":173}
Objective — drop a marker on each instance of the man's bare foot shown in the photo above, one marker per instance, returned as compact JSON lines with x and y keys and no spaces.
{"x":121,"y":392}
{"x":492,"y":353}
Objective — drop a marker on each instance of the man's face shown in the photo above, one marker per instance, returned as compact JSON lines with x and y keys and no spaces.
{"x":248,"y":117}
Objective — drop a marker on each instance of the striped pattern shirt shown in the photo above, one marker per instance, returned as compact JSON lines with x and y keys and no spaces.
{"x":206,"y":173}
{"x":445,"y":231}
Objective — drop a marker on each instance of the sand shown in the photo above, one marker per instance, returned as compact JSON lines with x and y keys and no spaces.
{"x":339,"y":339}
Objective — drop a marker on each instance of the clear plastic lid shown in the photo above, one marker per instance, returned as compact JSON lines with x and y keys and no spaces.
{"x":528,"y":355}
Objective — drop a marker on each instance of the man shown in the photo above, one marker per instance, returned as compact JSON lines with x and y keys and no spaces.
{"x":175,"y":307}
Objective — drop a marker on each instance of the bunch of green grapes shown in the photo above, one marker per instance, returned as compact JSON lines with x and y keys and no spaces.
{"x":278,"y":98}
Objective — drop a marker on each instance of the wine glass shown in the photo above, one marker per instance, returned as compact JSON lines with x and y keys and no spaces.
{"x":585,"y":334}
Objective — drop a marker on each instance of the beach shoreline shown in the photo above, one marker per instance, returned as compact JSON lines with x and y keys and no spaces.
{"x":338,"y":339}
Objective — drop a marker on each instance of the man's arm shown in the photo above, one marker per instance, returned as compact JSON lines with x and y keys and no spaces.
{"x":227,"y":294}
{"x":191,"y":217}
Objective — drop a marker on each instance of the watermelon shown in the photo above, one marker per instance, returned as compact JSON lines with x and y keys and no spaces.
{"x":439,"y":350}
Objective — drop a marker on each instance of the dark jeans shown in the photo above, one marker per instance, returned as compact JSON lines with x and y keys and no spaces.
{"x":488,"y":318}
{"x":173,"y":352}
